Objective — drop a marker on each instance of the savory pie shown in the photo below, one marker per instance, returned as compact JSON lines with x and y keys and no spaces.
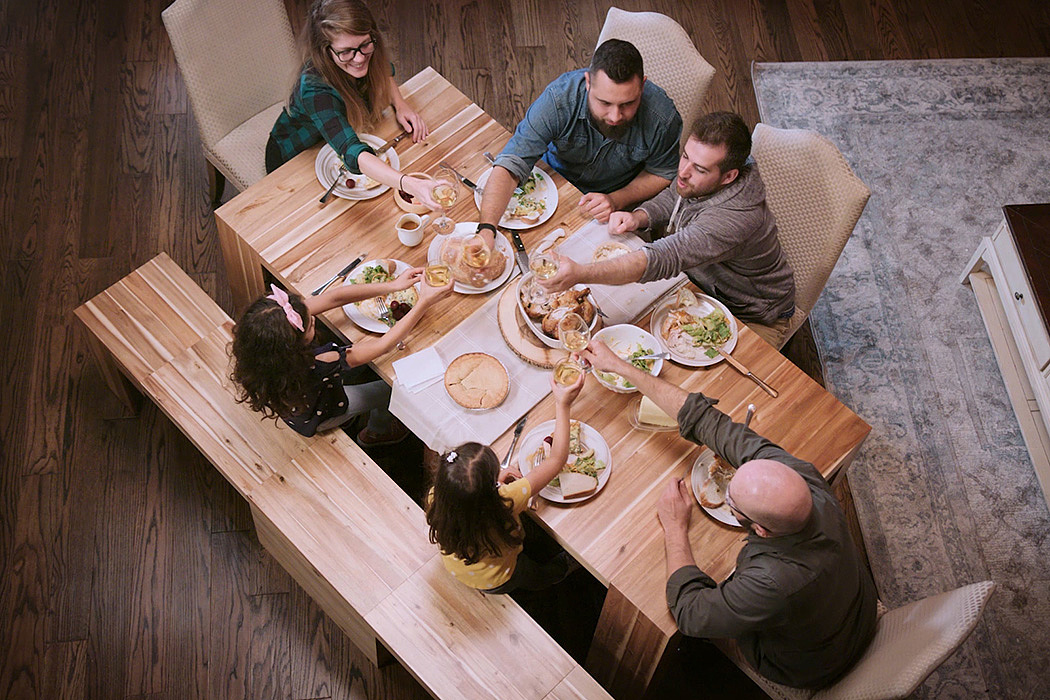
{"x":477,"y":380}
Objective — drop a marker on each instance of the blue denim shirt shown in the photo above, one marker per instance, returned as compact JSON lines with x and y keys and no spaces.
{"x":558,"y":128}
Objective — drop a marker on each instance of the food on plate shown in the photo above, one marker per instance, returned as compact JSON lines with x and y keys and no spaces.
{"x":477,"y":380}
{"x":579,"y":476}
{"x":632,"y":355}
{"x":527,"y":202}
{"x":463,"y":272}
{"x":362,"y":181}
{"x":610,"y":250}
{"x":399,"y":302}
{"x":691,"y":335}
{"x":651,"y":414}
{"x":547,"y":309}
{"x":713,"y":491}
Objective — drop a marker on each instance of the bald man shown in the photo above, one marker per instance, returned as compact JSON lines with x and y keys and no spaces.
{"x":801,"y":603}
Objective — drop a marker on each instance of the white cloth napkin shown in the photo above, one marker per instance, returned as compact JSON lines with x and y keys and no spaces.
{"x":420,"y":369}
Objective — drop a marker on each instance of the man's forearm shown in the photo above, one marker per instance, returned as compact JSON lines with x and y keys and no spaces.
{"x":669,"y":397}
{"x":622,"y":270}
{"x":643,"y":187}
{"x":498,"y":189}
{"x":677,"y":550}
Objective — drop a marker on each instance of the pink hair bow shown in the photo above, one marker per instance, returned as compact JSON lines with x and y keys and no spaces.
{"x":281,"y":297}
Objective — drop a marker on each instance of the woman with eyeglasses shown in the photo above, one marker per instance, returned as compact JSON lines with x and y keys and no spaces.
{"x":346,"y":83}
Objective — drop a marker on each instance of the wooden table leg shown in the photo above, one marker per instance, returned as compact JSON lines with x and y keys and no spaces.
{"x":243,"y":267}
{"x":115,"y":379}
{"x":626,"y":649}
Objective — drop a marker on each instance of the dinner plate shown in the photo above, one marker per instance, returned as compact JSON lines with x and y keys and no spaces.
{"x":464,"y":230}
{"x":326,"y":167}
{"x":703,"y":462}
{"x":354,"y":313}
{"x":537,"y":328}
{"x":705,"y":306}
{"x":591,"y":437}
{"x":623,"y":338}
{"x":550,"y":200}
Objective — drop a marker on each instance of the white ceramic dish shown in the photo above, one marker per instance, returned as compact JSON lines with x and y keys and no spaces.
{"x":591,"y":437}
{"x":326,"y":167}
{"x":624,"y":339}
{"x":705,"y":305}
{"x":696,"y":479}
{"x":467,"y":229}
{"x":550,"y":201}
{"x":354,"y":313}
{"x":536,"y":329}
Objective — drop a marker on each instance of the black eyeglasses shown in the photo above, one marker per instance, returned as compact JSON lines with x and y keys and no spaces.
{"x":347,"y":55}
{"x":740,"y":513}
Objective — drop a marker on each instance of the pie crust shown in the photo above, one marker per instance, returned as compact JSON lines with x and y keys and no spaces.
{"x":477,"y":380}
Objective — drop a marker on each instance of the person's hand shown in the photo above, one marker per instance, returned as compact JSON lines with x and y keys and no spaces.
{"x":565,"y":395}
{"x":597,"y":205}
{"x":621,"y":222}
{"x":407,"y":278}
{"x":411,"y":122}
{"x":508,"y":474}
{"x":675,"y":508}
{"x":419,"y":188}
{"x":567,"y":275}
{"x":429,"y":295}
{"x":602,"y":358}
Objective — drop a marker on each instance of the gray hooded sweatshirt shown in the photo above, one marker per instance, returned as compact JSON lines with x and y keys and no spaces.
{"x":726,"y":243}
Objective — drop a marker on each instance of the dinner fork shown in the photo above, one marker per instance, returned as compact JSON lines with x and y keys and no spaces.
{"x":654,"y":356}
{"x":388,"y":318}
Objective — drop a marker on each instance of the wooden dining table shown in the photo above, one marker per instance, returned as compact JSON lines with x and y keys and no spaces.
{"x":278,"y":227}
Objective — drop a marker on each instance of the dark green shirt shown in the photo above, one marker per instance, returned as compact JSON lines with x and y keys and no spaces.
{"x":801,"y":606}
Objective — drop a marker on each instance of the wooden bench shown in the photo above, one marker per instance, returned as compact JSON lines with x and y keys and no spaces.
{"x":322,"y":508}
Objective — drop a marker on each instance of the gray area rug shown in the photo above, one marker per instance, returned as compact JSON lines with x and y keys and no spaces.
{"x":944,"y":486}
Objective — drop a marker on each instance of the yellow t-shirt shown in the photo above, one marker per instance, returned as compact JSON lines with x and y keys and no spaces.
{"x":490,"y":571}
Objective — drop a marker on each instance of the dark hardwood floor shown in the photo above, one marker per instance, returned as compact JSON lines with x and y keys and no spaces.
{"x":129,"y":569}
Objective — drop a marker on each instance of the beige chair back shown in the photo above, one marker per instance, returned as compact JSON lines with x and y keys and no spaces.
{"x":909,"y":644}
{"x":239,"y":61}
{"x":671,"y":61}
{"x":816,"y":200}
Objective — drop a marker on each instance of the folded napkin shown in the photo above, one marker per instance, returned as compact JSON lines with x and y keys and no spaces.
{"x":420,"y":369}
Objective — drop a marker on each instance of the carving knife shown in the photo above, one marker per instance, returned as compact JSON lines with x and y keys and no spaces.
{"x":519,"y":252}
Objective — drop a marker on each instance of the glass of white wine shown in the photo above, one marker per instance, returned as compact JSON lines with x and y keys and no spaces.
{"x":476,"y":251}
{"x":567,"y":371}
{"x":543,"y":264}
{"x":573,"y":332}
{"x":437,"y":273}
{"x":445,"y":191}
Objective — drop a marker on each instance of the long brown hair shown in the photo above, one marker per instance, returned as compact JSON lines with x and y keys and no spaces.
{"x":328,"y":18}
{"x":466,"y":514}
{"x":271,"y":363}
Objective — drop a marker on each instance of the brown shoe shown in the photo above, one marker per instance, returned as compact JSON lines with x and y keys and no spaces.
{"x":397,"y":433}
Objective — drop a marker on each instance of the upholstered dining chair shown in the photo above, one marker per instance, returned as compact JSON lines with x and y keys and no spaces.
{"x":671,"y":61}
{"x":816,"y":200}
{"x":239,"y":60}
{"x":910,"y":643}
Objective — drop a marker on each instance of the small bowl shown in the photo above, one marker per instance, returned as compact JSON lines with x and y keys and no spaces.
{"x":623,"y":339}
{"x":411,"y":208}
{"x":535,"y":327}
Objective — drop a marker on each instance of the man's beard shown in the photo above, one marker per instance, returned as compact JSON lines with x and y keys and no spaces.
{"x":609,"y":131}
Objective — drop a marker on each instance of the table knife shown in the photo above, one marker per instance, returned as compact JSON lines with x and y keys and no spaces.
{"x":462,"y":178}
{"x":747,"y":373}
{"x":513,"y":441}
{"x":342,"y":273}
{"x":519,"y":252}
{"x":392,"y":142}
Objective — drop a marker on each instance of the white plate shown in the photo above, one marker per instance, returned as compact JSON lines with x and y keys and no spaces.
{"x":354,"y":313}
{"x":705,"y":306}
{"x":467,"y":229}
{"x":550,"y":200}
{"x":537,"y":329}
{"x":591,"y":437}
{"x":622,"y":339}
{"x":326,"y":167}
{"x":703,"y":462}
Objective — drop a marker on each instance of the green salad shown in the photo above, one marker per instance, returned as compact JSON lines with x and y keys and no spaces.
{"x":711,"y":331}
{"x":590,"y":465}
{"x":633,"y":358}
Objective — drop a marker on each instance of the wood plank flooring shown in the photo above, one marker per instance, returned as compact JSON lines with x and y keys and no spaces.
{"x":128,"y":568}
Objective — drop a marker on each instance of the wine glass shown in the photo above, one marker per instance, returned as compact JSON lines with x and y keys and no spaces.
{"x":543,"y":264}
{"x":573,"y":332}
{"x":445,"y":191}
{"x":567,"y":371}
{"x":476,"y":251}
{"x":437,"y":273}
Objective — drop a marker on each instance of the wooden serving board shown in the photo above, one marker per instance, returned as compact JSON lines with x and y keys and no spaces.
{"x":517,"y":334}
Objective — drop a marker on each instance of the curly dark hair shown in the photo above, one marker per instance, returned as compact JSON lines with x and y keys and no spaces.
{"x":271,"y":363}
{"x":466,"y":514}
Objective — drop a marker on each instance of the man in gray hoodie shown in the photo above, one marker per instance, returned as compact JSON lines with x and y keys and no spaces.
{"x":713,"y":224}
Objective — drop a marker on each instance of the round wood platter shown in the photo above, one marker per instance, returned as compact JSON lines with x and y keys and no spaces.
{"x":518,"y":336}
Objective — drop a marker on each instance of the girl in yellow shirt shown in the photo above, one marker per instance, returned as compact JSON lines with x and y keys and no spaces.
{"x":474,"y":511}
